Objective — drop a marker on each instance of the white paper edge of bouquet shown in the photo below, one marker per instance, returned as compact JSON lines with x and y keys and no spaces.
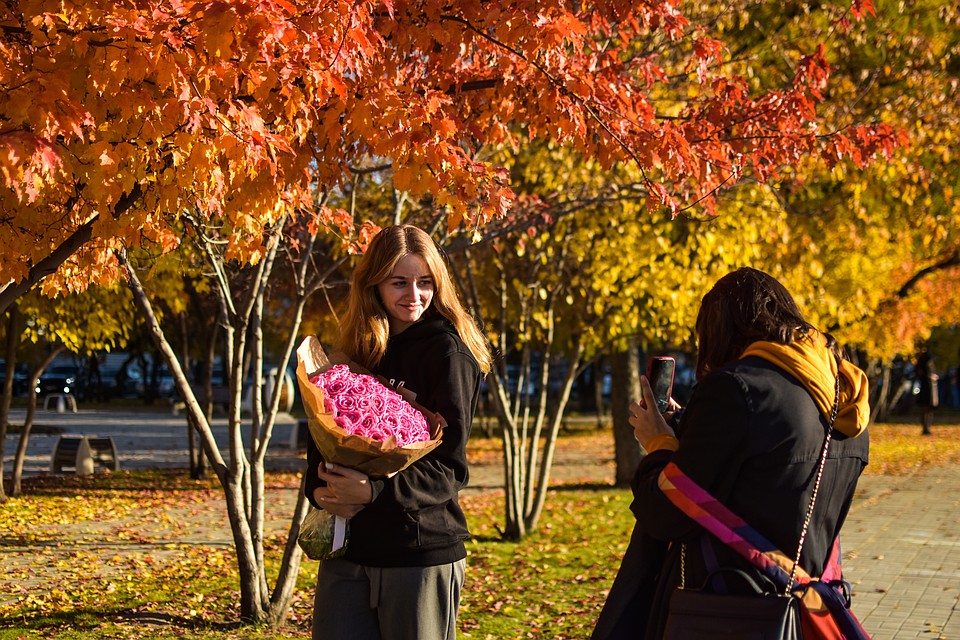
{"x":311,"y":354}
{"x":339,"y":533}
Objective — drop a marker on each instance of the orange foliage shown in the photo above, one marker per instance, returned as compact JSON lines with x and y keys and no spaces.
{"x":120,"y":118}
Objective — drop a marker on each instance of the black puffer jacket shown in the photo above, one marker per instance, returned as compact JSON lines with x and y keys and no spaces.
{"x":415,"y":518}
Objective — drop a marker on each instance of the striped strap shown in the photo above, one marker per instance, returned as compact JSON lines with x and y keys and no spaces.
{"x":727,"y":527}
{"x":733,"y":531}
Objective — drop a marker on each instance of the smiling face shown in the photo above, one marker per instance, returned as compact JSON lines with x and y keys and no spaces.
{"x":407,"y":292}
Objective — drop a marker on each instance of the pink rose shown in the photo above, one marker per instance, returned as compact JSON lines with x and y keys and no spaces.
{"x":333,"y":387}
{"x":337,"y":372}
{"x":368,"y":423}
{"x":363,"y":406}
{"x":346,"y":403}
{"x":376,"y":404}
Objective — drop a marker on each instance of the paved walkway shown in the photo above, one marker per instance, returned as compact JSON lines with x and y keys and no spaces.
{"x":152,"y":439}
{"x":901,"y":543}
{"x":901,"y":548}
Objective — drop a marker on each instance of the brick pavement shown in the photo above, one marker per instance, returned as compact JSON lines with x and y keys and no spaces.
{"x":901,"y":549}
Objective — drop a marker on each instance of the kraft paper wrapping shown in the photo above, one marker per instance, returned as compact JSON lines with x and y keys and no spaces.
{"x":372,"y":457}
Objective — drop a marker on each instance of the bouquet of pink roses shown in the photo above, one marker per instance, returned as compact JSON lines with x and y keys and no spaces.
{"x":361,"y":405}
{"x":358,"y":421}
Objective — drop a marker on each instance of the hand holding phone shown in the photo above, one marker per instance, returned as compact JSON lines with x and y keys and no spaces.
{"x":660,"y":372}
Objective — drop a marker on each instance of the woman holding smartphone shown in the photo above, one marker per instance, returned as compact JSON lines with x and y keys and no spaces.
{"x":751,"y":436}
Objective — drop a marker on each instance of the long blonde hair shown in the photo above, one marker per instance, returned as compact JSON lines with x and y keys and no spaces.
{"x":365,"y":328}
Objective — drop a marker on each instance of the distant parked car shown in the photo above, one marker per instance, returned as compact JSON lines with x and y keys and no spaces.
{"x":108,"y":384}
{"x":166,"y":387}
{"x":59,"y":378}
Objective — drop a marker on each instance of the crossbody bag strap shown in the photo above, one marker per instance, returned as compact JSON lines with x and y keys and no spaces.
{"x":726,"y":526}
{"x":816,"y":486}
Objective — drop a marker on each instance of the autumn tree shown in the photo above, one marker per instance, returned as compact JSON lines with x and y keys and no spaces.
{"x":903,"y":218}
{"x":586,"y":271}
{"x":115,"y":116}
{"x":873,"y":249}
{"x":896,"y":222}
{"x":242,"y":291}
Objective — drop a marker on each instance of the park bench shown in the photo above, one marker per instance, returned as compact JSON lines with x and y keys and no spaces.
{"x":61,"y":401}
{"x":83,"y":454}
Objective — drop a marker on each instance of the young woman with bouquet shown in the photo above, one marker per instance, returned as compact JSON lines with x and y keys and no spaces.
{"x":401,"y":575}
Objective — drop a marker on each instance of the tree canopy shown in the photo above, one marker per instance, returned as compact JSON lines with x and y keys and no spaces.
{"x":117,"y":119}
{"x":873,"y":251}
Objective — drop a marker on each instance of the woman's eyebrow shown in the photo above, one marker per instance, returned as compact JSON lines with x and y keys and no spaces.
{"x":425,"y":276}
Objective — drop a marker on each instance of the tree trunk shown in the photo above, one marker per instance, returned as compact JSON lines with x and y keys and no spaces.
{"x":199,"y":462}
{"x":194,"y":453}
{"x":282,"y":595}
{"x":21,"y":454}
{"x":599,"y":400}
{"x":242,"y":477}
{"x":625,"y":381}
{"x":513,"y":456}
{"x":532,"y":516}
{"x":881,"y":402}
{"x":13,"y":336}
{"x":16,"y":488}
{"x":527,"y":467}
{"x":903,"y":386}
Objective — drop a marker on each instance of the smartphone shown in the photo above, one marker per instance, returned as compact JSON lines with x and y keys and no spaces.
{"x":660,"y":370}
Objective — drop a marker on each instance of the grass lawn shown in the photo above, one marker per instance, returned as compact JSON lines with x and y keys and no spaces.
{"x":94,"y":585}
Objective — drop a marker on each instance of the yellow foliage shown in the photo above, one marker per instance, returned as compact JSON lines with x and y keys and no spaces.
{"x":96,"y":319}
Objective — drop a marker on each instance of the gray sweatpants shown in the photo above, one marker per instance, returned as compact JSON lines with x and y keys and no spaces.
{"x":355,"y":602}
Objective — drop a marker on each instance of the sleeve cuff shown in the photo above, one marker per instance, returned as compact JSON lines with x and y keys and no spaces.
{"x":662,"y":441}
{"x":376,"y":488}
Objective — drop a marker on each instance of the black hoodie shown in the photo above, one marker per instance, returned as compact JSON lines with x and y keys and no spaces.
{"x":415,"y":518}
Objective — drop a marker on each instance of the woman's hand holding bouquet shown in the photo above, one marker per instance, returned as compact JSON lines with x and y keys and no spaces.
{"x":346,"y":491}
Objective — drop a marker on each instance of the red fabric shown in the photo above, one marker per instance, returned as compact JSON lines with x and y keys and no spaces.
{"x":819,"y":625}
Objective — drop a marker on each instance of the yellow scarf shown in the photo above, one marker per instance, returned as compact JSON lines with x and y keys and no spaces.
{"x":809,"y":360}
